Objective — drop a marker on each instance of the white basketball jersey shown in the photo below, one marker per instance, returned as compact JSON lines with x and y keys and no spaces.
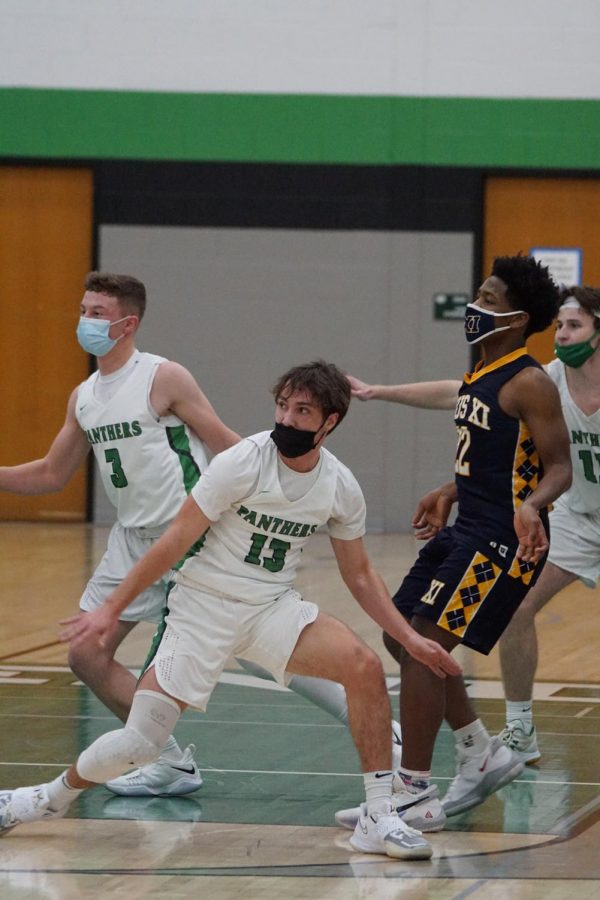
{"x":252,"y":550}
{"x":148,"y":464}
{"x":584,"y":435}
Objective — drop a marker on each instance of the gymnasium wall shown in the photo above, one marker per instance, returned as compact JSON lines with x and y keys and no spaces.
{"x":439,"y":82}
{"x":244,"y":304}
{"x":339,"y":262}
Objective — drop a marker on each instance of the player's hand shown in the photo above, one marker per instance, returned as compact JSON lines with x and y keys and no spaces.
{"x":432,"y":513}
{"x":97,"y":626}
{"x":533,"y":540}
{"x":360,"y":389}
{"x":432,"y":655}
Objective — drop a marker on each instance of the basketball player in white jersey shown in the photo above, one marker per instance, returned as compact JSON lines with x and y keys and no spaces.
{"x":148,"y":423}
{"x":574,"y":520}
{"x":250,"y":515}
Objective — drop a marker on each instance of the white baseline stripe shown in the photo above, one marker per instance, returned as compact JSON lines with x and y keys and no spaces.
{"x":206,"y":768}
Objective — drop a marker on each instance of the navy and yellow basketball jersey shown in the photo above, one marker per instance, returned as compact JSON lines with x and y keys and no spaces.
{"x":497,"y":463}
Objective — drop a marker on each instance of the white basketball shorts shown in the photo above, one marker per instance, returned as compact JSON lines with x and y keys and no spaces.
{"x":204,"y":629}
{"x":125,"y":547}
{"x":575,"y":542}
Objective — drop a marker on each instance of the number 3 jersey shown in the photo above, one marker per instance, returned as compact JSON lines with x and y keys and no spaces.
{"x":148,"y":463}
{"x":252,"y":549}
{"x":497,"y":463}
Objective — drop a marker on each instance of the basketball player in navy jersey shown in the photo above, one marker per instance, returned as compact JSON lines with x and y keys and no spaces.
{"x":512,"y":460}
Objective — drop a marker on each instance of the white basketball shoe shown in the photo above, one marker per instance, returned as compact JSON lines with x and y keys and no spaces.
{"x":162,"y":778}
{"x":479,"y":776}
{"x":387,"y":833}
{"x":421,"y":810}
{"x":521,"y":742}
{"x":26,"y":804}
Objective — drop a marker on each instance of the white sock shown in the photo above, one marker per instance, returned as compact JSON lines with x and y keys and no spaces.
{"x":411,"y":780}
{"x":520,"y":710}
{"x":378,"y":790}
{"x":473,"y":739}
{"x":60,"y":793}
{"x":172,"y":751}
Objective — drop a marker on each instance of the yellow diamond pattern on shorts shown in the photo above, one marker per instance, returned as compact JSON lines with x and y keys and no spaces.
{"x":479,"y":579}
{"x":522,"y":570}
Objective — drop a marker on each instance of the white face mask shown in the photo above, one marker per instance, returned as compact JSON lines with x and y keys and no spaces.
{"x":479,"y":323}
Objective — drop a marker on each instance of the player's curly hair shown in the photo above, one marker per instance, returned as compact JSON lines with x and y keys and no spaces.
{"x":587,"y":297}
{"x":327,"y":385}
{"x":530,"y":288}
{"x":129,"y":291}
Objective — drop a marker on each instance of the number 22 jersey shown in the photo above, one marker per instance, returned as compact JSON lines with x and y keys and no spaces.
{"x":497,"y":462}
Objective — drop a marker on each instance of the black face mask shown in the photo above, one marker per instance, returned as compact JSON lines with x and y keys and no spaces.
{"x":292,"y":442}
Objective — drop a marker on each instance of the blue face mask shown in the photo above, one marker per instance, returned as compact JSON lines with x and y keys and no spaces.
{"x":479,"y":323}
{"x":92,"y":335}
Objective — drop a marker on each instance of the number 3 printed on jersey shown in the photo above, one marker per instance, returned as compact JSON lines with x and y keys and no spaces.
{"x":118,"y":477}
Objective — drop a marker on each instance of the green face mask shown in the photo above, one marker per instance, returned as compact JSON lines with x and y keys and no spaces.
{"x":574,"y":355}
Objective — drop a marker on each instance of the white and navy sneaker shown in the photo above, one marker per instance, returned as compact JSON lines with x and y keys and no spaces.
{"x":521,"y":742}
{"x":162,"y":778}
{"x":26,"y":804}
{"x":387,"y":833}
{"x":396,"y":745}
{"x":479,"y":776}
{"x":421,"y":810}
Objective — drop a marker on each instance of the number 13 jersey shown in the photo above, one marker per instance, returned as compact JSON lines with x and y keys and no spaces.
{"x":252,"y":549}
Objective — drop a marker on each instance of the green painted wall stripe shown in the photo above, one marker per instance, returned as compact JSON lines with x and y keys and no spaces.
{"x":76,"y":124}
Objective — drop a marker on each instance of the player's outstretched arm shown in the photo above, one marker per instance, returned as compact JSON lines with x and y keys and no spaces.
{"x":423,"y":394}
{"x":368,"y":589}
{"x":176,"y":391}
{"x":52,"y":472}
{"x":186,"y":528}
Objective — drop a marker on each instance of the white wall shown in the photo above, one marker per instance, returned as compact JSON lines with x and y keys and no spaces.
{"x":238,"y":307}
{"x":471,"y":48}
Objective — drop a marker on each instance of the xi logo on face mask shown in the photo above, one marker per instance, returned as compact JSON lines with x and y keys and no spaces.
{"x":479,"y":323}
{"x":472,"y":323}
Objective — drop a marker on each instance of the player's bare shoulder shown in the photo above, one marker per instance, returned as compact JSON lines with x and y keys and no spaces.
{"x":172,"y":384}
{"x":172,"y":372}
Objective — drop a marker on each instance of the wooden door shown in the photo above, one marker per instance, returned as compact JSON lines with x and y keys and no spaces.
{"x":45,"y":252}
{"x":522,"y":213}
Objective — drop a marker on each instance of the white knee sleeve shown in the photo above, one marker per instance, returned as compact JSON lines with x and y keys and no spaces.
{"x":152,"y":718}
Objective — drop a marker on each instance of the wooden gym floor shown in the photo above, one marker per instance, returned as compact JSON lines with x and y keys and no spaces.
{"x":276,"y":768}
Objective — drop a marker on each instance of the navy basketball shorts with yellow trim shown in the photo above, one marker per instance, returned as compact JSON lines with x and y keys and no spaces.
{"x":466,"y":587}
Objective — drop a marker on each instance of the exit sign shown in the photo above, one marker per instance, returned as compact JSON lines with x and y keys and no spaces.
{"x":450,"y":306}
